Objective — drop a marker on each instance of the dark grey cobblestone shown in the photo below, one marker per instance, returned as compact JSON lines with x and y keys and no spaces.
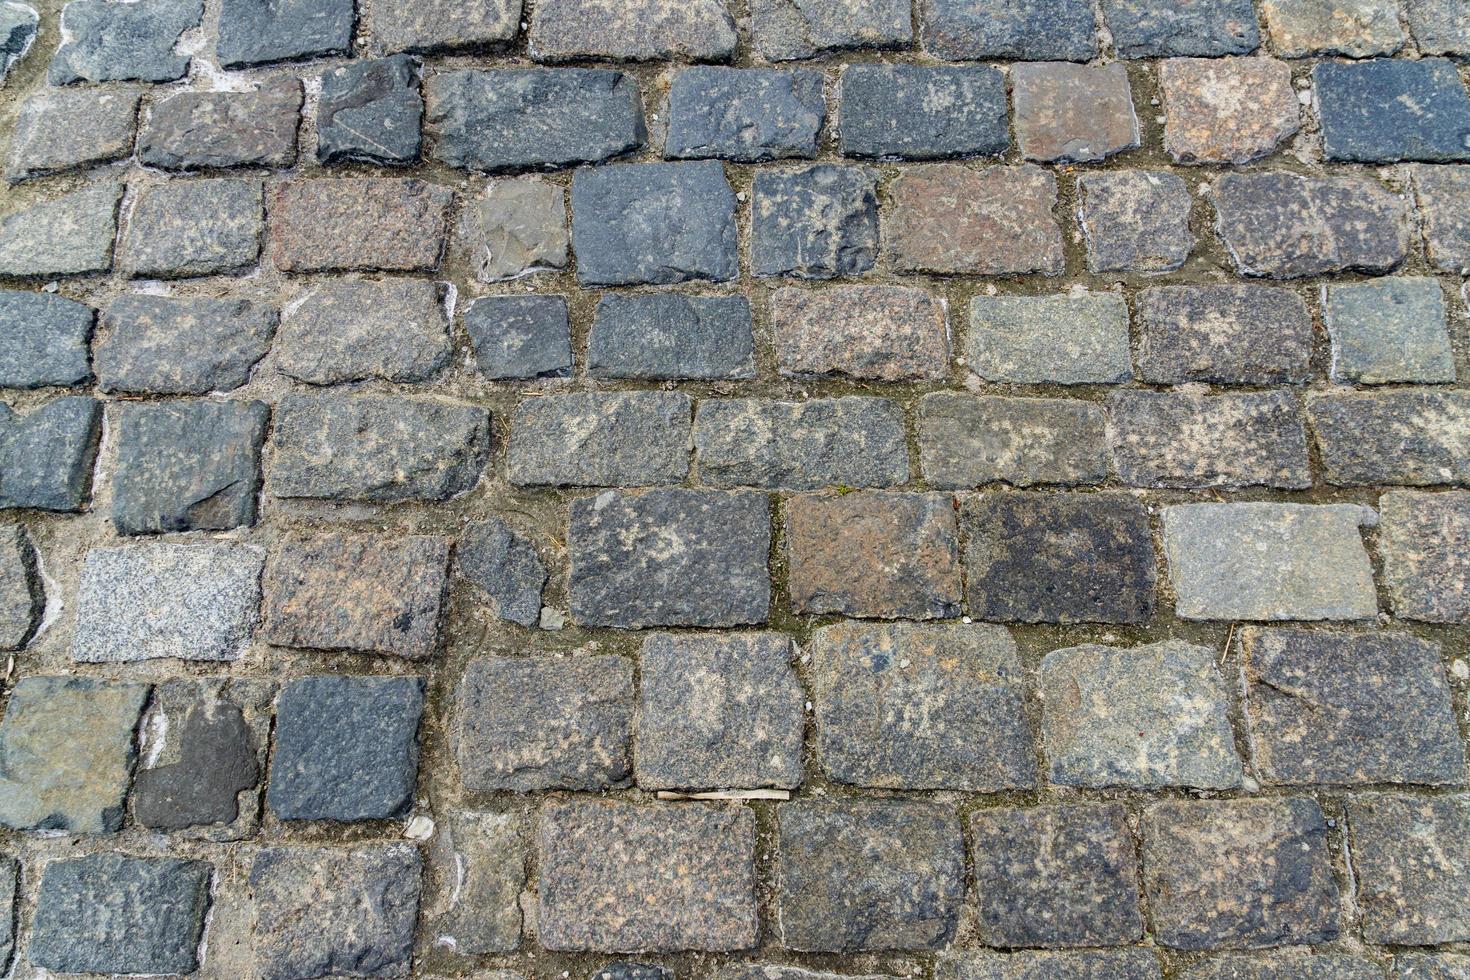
{"x":1394,"y":329}
{"x":71,"y":129}
{"x":506,"y":566}
{"x":255,"y":32}
{"x":67,"y":235}
{"x":181,"y":346}
{"x":520,"y":337}
{"x":969,"y":441}
{"x":193,"y":228}
{"x":1412,"y":876}
{"x":1426,"y":567}
{"x":370,"y":111}
{"x":923,"y":113}
{"x":46,"y":455}
{"x":1031,"y":30}
{"x":668,"y":337}
{"x":1364,"y":116}
{"x":484,"y":856}
{"x":109,"y":42}
{"x":22,"y":596}
{"x":353,"y":330}
{"x":1136,"y":221}
{"x":600,"y":439}
{"x":444,"y":25}
{"x":1246,"y":335}
{"x":199,"y":130}
{"x":636,"y":30}
{"x":1174,"y":28}
{"x":46,"y":340}
{"x":1407,"y":436}
{"x":788,"y":30}
{"x":817,"y":223}
{"x":747,"y":115}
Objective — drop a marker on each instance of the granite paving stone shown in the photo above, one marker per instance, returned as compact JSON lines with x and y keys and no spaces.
{"x":204,"y":130}
{"x":627,"y":970}
{"x":514,"y":228}
{"x":1431,"y":966}
{"x":1097,"y":964}
{"x":600,"y":439}
{"x":1352,"y":28}
{"x":851,"y":442}
{"x":923,"y":113}
{"x":108,"y":41}
{"x":1298,"y":964}
{"x":483,"y":857}
{"x":1226,"y":335}
{"x":744,"y":114}
{"x":969,"y":441}
{"x":18,"y":27}
{"x":9,"y":878}
{"x":881,"y":333}
{"x":181,"y":346}
{"x":520,"y":337}
{"x":632,"y":30}
{"x":1227,"y":110}
{"x":817,"y":223}
{"x":1426,"y":565}
{"x":668,"y":336}
{"x":1383,"y":111}
{"x":1073,"y":113}
{"x":355,"y":330}
{"x":1023,"y":30}
{"x":46,"y":455}
{"x":1411,"y":873}
{"x":1407,"y":436}
{"x":370,"y":111}
{"x":790,"y":30}
{"x":505,"y":565}
{"x":1174,"y":28}
{"x":255,"y":32}
{"x":1059,"y":339}
{"x":1439,"y":26}
{"x":64,"y":236}
{"x":70,"y":129}
{"x":1389,"y":330}
{"x":1136,"y":221}
{"x":322,"y":225}
{"x":443,"y":25}
{"x":192,"y":228}
{"x":22,"y":594}
{"x":44,"y":340}
{"x":1443,"y":195}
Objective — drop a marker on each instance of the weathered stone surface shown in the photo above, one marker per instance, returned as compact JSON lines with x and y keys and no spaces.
{"x":515,"y":227}
{"x":1241,"y":334}
{"x":193,"y":228}
{"x":923,"y":113}
{"x":1408,"y":436}
{"x":43,"y":340}
{"x":181,"y":346}
{"x":382,"y":449}
{"x":842,"y":442}
{"x":372,"y":111}
{"x":520,"y":337}
{"x":669,"y":558}
{"x":1439,"y":26}
{"x":1056,"y":876}
{"x":65,"y":130}
{"x":600,"y":439}
{"x":655,"y":223}
{"x":747,"y":115}
{"x":1412,"y":873}
{"x":1269,"y":561}
{"x":1354,"y":28}
{"x":106,"y":41}
{"x":114,"y":913}
{"x":817,"y":223}
{"x":46,"y":456}
{"x":195,"y":130}
{"x":1136,"y":221}
{"x":632,"y":30}
{"x":624,"y":970}
{"x":868,"y":874}
{"x":355,"y":330}
{"x":1059,"y":558}
{"x":1026,"y":30}
{"x":1239,"y":873}
{"x":527,"y":118}
{"x":1099,"y":964}
{"x":9,"y":866}
{"x":1425,"y":544}
{"x":620,"y":877}
{"x":1227,"y":110}
{"x":1384,"y":111}
{"x":65,"y":236}
{"x":66,"y":751}
{"x":1285,"y":226}
{"x":720,"y":712}
{"x":357,"y":223}
{"x":22,"y":597}
{"x":443,"y":25}
{"x":667,"y":336}
{"x":1062,"y":339}
{"x":254,"y":32}
{"x":1073,"y":113}
{"x":1144,"y":718}
{"x":18,"y":24}
{"x":906,"y":706}
{"x":505,"y":566}
{"x":1299,"y":964}
{"x":1443,"y":196}
{"x":1190,"y":441}
{"x":1171,"y":28}
{"x":952,"y":219}
{"x":1431,"y":966}
{"x":884,"y":555}
{"x":787,"y":30}
{"x":882,"y":333}
{"x":357,"y":592}
{"x":1389,"y":330}
{"x":481,"y":860}
{"x":968,"y":441}
{"x":321,"y":911}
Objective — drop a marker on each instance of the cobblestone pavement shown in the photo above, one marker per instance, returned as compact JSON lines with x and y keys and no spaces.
{"x":1008,"y":449}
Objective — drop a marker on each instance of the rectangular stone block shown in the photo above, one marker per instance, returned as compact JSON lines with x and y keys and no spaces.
{"x":108,"y":42}
{"x":444,"y":25}
{"x":744,"y":114}
{"x":972,"y":440}
{"x":200,"y":130}
{"x":1068,"y":113}
{"x":1100,"y":964}
{"x":371,"y":110}
{"x":1425,"y":545}
{"x":193,"y":228}
{"x":325,"y":225}
{"x":1352,"y":28}
{"x":520,"y":337}
{"x":256,"y":32}
{"x":1061,"y":339}
{"x":637,"y":30}
{"x":665,"y":336}
{"x":1021,"y":30}
{"x":1237,"y":334}
{"x":1439,"y":26}
{"x":915,"y":112}
{"x":46,"y":455}
{"x":1136,"y":221}
{"x":183,"y":345}
{"x":882,"y":333}
{"x":480,"y":860}
{"x":1443,"y":197}
{"x":1303,"y":963}
{"x":600,"y":439}
{"x":817,"y":223}
{"x":63,"y":236}
{"x":1227,"y":110}
{"x":44,"y":340}
{"x":788,"y":30}
{"x":1388,"y":330}
{"x":1412,"y":873}
{"x":64,"y":130}
{"x":1171,"y":28}
{"x":355,"y":330}
{"x":1361,"y":106}
{"x":515,"y":228}
{"x":22,"y":596}
{"x":1415,"y":437}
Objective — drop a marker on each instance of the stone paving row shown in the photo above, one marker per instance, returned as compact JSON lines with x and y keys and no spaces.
{"x":1012,"y":453}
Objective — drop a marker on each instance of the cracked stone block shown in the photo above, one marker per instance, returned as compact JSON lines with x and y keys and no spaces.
{"x":18,"y":24}
{"x":1352,"y":28}
{"x":365,"y":593}
{"x":907,"y":706}
{"x":108,"y":41}
{"x":527,"y":724}
{"x":790,"y":30}
{"x":625,"y":877}
{"x":1349,"y":708}
{"x":346,"y":748}
{"x":520,"y":337}
{"x":66,"y":752}
{"x":193,"y":228}
{"x":1300,"y":964}
{"x":44,"y":341}
{"x":1440,"y":26}
{"x":1227,"y":110}
{"x":1384,"y":111}
{"x":633,"y":30}
{"x":505,"y":566}
{"x":1174,"y":28}
{"x":1387,"y":330}
{"x":181,"y":345}
{"x":1269,"y":561}
{"x":200,"y":130}
{"x":356,"y":330}
{"x":1242,"y":874}
{"x":666,"y":336}
{"x":880,"y":333}
{"x":1407,"y":436}
{"x":1073,"y":113}
{"x":46,"y":456}
{"x":1426,"y":561}
{"x":515,"y":227}
{"x":1062,"y":339}
{"x":1056,"y":876}
{"x":918,"y":112}
{"x":1443,"y":197}
{"x":746,"y":115}
{"x":1148,"y":717}
{"x":1098,"y":964}
{"x":257,"y":32}
{"x":1285,"y":226}
{"x":371,"y":111}
{"x":600,"y":439}
{"x":22,"y":596}
{"x":377,"y":448}
{"x":1136,"y":221}
{"x":65,"y":130}
{"x":969,"y":441}
{"x":670,"y":558}
{"x":1431,"y":966}
{"x":323,"y":911}
{"x":817,"y":223}
{"x":1059,"y":558}
{"x":115,"y":913}
{"x":874,"y":554}
{"x":858,"y":875}
{"x":653,"y":223}
{"x":64,"y":236}
{"x":850,"y":442}
{"x":722,"y":712}
{"x":1410,"y":867}
{"x":444,"y":25}
{"x":1190,"y":441}
{"x":324,"y":225}
{"x":481,"y":860}
{"x":1235,"y":334}
{"x":953,"y":219}
{"x":1022,"y":30}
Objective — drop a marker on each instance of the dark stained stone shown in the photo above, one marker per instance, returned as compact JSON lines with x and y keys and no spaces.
{"x":600,"y":439}
{"x":196,"y":130}
{"x":64,"y":236}
{"x":1068,"y":113}
{"x":46,"y":456}
{"x":1408,"y":436}
{"x":789,"y":30}
{"x":666,"y":336}
{"x":1386,"y":110}
{"x":323,"y":225}
{"x":520,"y":337}
{"x":193,"y":228}
{"x":65,"y":129}
{"x":632,"y":30}
{"x":817,"y":223}
{"x":972,"y":440}
{"x":181,"y":345}
{"x":747,"y":115}
{"x":1425,"y":544}
{"x":255,"y":32}
{"x":1026,"y":30}
{"x":43,"y":341}
{"x":1238,"y":334}
{"x":481,"y":862}
{"x":1182,"y":28}
{"x":1298,"y":964}
{"x":22,"y":595}
{"x":1136,"y":221}
{"x":1411,"y":868}
{"x":886,"y":333}
{"x":371,"y":111}
{"x":107,"y":41}
{"x":18,"y":24}
{"x":917,"y":112}
{"x":354,"y":330}
{"x":1098,"y":964}
{"x":505,"y":566}
{"x":444,"y":25}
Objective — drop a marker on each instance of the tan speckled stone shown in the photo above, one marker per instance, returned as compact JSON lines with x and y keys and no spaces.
{"x":885,"y":333}
{"x":1227,"y":110}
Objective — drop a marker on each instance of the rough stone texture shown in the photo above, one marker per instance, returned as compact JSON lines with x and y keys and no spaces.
{"x":43,"y":340}
{"x":907,"y":706}
{"x":1144,"y":718}
{"x":254,"y":32}
{"x":520,"y":337}
{"x":1239,"y":873}
{"x":1269,"y":561}
{"x":18,"y":25}
{"x":505,"y":566}
{"x":66,"y":752}
{"x":868,"y":874}
{"x":46,"y":456}
{"x":1354,"y":28}
{"x":22,"y":596}
{"x":849,"y":442}
{"x":193,"y":228}
{"x":106,"y":41}
{"x":1439,"y":26}
{"x":181,"y":346}
{"x":514,"y":228}
{"x":1409,"y":436}
{"x":667,"y":336}
{"x":632,"y":30}
{"x":9,"y":866}
{"x":624,"y":877}
{"x":883,"y":555}
{"x":1065,"y":339}
{"x":1026,"y":30}
{"x":788,"y":30}
{"x":1100,"y":964}
{"x":357,"y":223}
{"x":1425,"y":544}
{"x":746,"y":115}
{"x":1073,"y":113}
{"x":923,"y":113}
{"x":669,"y":558}
{"x":67,"y":130}
{"x":882,"y":333}
{"x":1431,"y":966}
{"x":371,"y":111}
{"x":355,"y":330}
{"x":1412,"y":874}
{"x":357,"y":592}
{"x":719,"y":711}
{"x":64,"y":236}
{"x":600,"y":439}
{"x":969,"y":441}
{"x":1227,"y":110}
{"x":1389,"y":330}
{"x":1300,"y":964}
{"x":483,"y":857}
{"x":953,"y":219}
{"x":1384,"y":111}
{"x":1059,"y":558}
{"x":1171,"y":28}
{"x":1136,"y":221}
{"x":443,"y":25}
{"x":1443,"y":195}
{"x":198,"y":130}
{"x":818,"y":223}
{"x":1245,"y":334}
{"x":1056,"y":876}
